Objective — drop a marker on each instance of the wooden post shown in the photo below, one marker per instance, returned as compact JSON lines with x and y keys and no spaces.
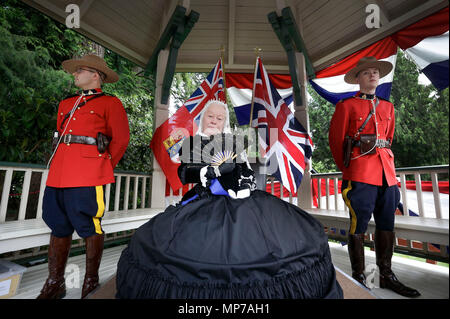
{"x":304,"y":193}
{"x":161,"y":115}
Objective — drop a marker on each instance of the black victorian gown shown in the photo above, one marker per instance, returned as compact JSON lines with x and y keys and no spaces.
{"x":213,"y":246}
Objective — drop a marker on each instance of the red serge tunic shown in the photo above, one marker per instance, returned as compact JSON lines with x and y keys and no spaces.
{"x":78,"y":165}
{"x":348,"y":117}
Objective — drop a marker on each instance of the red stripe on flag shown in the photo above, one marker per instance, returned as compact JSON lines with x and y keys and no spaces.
{"x":286,"y":165}
{"x":433,"y":25}
{"x":380,"y":50}
{"x":245,"y":80}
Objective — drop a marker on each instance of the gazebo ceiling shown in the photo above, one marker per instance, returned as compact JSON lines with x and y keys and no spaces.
{"x":331,"y":29}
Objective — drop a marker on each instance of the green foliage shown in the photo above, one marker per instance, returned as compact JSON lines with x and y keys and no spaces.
{"x":184,"y":84}
{"x":422,"y":117}
{"x":39,"y":31}
{"x":29,"y":97}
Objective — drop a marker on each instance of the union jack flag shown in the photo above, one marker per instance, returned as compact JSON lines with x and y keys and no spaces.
{"x":169,"y":136}
{"x":283,"y":141}
{"x":211,"y":88}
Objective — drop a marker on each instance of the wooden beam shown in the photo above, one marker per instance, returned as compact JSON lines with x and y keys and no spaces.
{"x":301,"y":113}
{"x":84,"y":7}
{"x":169,"y":8}
{"x":244,"y":68}
{"x":160,"y":115}
{"x":187,"y":5}
{"x":280,"y":4}
{"x":176,"y":19}
{"x":231,"y":30}
{"x":176,"y":30}
{"x":281,"y":30}
{"x":337,"y":53}
{"x":299,"y":20}
{"x":291,"y":24}
{"x":182,"y":31}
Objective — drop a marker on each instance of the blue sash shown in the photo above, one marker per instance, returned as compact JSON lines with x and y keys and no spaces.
{"x":216,"y":189}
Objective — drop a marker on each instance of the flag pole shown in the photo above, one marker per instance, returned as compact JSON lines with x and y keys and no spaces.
{"x":222,"y":51}
{"x":257,"y":50}
{"x":259,"y":175}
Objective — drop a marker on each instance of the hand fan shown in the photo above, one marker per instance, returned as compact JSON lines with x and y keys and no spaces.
{"x":220,"y":148}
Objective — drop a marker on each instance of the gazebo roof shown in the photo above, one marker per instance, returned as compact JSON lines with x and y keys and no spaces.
{"x":330,"y":29}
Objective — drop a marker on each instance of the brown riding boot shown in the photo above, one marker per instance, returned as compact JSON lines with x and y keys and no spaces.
{"x":94,"y":251}
{"x":58,"y":252}
{"x":356,"y":254}
{"x":384,"y":249}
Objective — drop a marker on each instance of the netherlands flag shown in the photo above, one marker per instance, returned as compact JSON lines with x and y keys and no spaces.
{"x":330,"y":84}
{"x":426,"y":43}
{"x":240,"y":88}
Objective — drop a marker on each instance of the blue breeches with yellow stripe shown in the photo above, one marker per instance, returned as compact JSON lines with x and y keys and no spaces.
{"x":74,"y":208}
{"x":363,"y":200}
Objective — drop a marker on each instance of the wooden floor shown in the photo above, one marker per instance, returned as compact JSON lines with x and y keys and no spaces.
{"x":431,"y":280}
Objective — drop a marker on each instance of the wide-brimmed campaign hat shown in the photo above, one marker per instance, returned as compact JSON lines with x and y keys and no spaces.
{"x":93,"y":61}
{"x":365,"y":63}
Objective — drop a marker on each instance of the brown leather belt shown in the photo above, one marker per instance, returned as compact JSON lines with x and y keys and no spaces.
{"x":78,"y":139}
{"x":380,"y":143}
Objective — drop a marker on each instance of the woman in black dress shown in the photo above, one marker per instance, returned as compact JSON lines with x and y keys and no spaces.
{"x":225,"y":239}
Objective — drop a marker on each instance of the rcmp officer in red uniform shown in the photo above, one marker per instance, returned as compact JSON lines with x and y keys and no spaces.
{"x":364,"y":125}
{"x":92,"y":136}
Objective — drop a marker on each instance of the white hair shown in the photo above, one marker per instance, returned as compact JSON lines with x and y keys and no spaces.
{"x":226,"y":125}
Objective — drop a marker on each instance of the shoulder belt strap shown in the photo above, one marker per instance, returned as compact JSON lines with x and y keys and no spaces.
{"x":368,"y":117}
{"x":80,"y":105}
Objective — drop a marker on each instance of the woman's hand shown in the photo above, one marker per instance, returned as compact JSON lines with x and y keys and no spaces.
{"x":208,"y":173}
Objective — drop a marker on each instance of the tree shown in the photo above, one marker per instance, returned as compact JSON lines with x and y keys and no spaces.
{"x":422,"y":116}
{"x":31,"y":88}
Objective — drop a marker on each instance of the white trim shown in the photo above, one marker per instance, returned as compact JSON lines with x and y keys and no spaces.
{"x":430,"y":50}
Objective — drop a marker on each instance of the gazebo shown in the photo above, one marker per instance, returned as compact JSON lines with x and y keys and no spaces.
{"x":295,"y":37}
{"x":299,"y":37}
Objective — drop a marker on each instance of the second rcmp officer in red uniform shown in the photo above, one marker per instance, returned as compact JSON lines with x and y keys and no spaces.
{"x":92,"y":136}
{"x":364,"y":124}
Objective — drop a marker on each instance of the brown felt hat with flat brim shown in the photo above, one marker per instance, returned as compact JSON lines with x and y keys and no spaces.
{"x":94,"y":62}
{"x":365,"y":63}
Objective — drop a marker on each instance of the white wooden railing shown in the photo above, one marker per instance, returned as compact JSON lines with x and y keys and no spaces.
{"x":402,"y":174}
{"x":432,"y":217}
{"x":22,"y":187}
{"x":17,"y":183}
{"x":127,"y":206}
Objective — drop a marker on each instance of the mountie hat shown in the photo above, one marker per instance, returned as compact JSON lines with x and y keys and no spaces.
{"x":365,"y":63}
{"x":93,"y":61}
